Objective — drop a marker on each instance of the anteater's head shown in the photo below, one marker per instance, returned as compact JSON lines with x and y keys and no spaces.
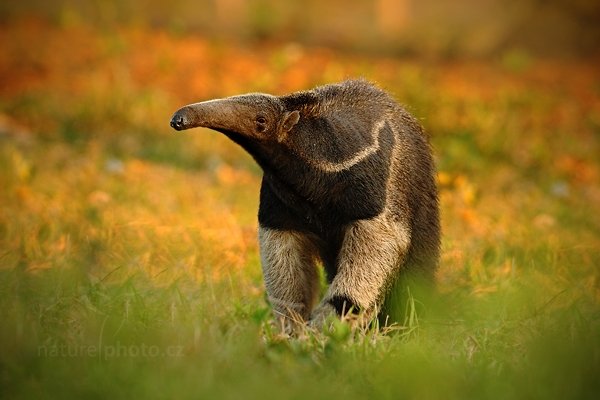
{"x":255,"y":117}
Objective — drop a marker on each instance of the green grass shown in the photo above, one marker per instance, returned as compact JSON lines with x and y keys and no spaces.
{"x":65,"y":335}
{"x":129,"y":265}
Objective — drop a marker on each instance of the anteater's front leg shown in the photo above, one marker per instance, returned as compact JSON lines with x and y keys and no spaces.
{"x":370,"y":254}
{"x":290,"y":273}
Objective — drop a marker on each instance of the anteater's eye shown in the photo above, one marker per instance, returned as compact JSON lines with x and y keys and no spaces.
{"x":261,"y":120}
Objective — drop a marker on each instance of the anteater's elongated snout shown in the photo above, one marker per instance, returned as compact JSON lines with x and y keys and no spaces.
{"x":225,"y":114}
{"x":186,"y":117}
{"x":178,"y":121}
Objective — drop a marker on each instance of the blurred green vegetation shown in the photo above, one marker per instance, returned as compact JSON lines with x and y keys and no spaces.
{"x":128,"y":256}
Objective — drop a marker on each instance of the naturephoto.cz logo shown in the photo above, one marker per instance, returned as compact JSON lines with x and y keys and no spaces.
{"x":110,"y":351}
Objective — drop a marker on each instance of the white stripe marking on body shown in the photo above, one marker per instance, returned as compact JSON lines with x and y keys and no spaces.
{"x":328,"y":166}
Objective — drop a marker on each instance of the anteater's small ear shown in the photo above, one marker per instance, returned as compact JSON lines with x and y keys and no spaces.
{"x":290,"y":119}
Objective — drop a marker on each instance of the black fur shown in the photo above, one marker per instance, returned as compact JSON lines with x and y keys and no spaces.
{"x":343,"y":305}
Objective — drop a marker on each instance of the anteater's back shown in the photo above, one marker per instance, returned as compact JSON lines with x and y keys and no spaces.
{"x":411,"y":191}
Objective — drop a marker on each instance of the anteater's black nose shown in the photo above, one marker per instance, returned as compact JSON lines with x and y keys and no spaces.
{"x":177,"y":122}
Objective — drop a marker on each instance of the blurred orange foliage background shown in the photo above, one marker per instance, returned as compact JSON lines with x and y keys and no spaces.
{"x":93,"y":174}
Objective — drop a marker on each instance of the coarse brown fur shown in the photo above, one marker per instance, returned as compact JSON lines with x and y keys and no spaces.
{"x":348,"y":182}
